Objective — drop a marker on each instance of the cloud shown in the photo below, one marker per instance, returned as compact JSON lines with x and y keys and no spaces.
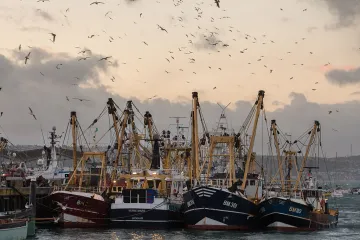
{"x":343,"y":77}
{"x":23,"y":86}
{"x":46,"y":16}
{"x":355,"y":93}
{"x":277,"y":103}
{"x":346,"y":11}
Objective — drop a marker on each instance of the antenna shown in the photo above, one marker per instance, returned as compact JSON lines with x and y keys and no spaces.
{"x":178,"y":127}
{"x":222,"y":116}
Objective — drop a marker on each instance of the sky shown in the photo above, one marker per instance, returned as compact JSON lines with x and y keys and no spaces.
{"x":305,"y":55}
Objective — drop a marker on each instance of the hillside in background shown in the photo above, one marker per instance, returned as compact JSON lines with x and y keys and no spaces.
{"x":338,"y":169}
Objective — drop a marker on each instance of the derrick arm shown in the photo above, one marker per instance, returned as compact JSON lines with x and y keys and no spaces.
{"x":119,"y":133}
{"x":259,"y":103}
{"x":195,"y":137}
{"x":73,"y":122}
{"x":312,"y":137}
{"x":276,"y":142}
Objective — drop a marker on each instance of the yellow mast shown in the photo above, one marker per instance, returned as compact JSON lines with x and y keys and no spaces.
{"x":276,"y":142}
{"x":119,"y":134}
{"x":312,"y":137}
{"x":73,"y":125}
{"x":289,"y":164}
{"x":195,"y":138}
{"x":259,"y":103}
{"x":134,"y":133}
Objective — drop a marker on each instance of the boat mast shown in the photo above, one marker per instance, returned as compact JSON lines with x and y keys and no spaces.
{"x":134,"y":135}
{"x":276,"y":141}
{"x":148,"y":121}
{"x":178,"y":126}
{"x":195,"y":138}
{"x":260,"y":106}
{"x":313,"y":132}
{"x":119,"y":134}
{"x":74,"y":131}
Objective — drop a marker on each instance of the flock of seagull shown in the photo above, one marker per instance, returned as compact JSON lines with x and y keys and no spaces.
{"x":210,"y":39}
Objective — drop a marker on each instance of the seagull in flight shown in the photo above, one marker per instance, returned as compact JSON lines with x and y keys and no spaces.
{"x":162,"y":29}
{"x":84,"y":58}
{"x":81,"y":99}
{"x":152,"y":97}
{"x":54,"y":36}
{"x":217,"y":2}
{"x":27,"y":57}
{"x":105,"y":58}
{"x":97,"y":3}
{"x":84,"y":51}
{"x":32,"y":113}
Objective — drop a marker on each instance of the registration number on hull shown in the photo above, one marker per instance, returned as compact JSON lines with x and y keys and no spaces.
{"x":295,"y":210}
{"x":230,"y":204}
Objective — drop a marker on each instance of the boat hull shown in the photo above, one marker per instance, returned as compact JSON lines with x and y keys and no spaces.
{"x":287,"y":215}
{"x":79,"y":211}
{"x":14,"y":230}
{"x":160,"y":216}
{"x":46,"y":211}
{"x":210,"y":208}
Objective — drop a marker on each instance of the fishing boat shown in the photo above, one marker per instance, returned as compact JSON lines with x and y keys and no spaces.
{"x":78,"y":206}
{"x":149,"y":199}
{"x":337,"y":193}
{"x":297,"y":206}
{"x":11,"y":229}
{"x":86,"y":201}
{"x":219,"y":201}
{"x":355,"y":191}
{"x":49,"y":169}
{"x":81,"y":209}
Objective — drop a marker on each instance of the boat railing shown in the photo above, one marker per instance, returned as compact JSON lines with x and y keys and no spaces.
{"x":285,"y":194}
{"x":169,"y":171}
{"x":217,"y":183}
{"x":76,"y":189}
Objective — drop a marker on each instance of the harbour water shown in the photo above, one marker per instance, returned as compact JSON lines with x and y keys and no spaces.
{"x":348,"y":228}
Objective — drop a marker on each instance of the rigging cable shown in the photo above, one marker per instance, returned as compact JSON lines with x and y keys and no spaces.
{"x":42,"y":133}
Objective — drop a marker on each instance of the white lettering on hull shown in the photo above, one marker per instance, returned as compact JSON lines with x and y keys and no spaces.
{"x":230,"y":204}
